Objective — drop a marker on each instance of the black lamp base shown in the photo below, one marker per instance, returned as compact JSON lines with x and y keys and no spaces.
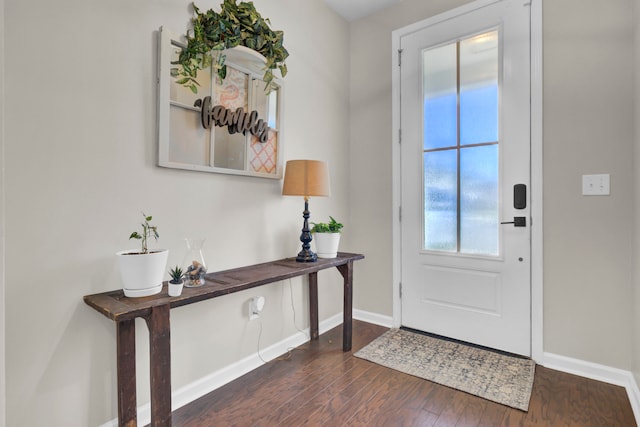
{"x":306,"y":254}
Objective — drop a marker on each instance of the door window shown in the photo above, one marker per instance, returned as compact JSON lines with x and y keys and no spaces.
{"x":460,"y":159}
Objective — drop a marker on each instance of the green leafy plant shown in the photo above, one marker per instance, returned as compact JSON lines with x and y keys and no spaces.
{"x":176,"y":274}
{"x":322,"y":227}
{"x":235,"y":25}
{"x":148,"y":230}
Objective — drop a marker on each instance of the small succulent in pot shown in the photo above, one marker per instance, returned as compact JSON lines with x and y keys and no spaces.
{"x":176,"y":283}
{"x":176,"y":274}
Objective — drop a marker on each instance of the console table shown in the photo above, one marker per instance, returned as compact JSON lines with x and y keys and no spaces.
{"x":155,"y":311}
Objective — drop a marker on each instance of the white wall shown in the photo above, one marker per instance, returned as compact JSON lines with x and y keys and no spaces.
{"x":588,"y":128}
{"x":80,"y":166}
{"x":2,"y":228}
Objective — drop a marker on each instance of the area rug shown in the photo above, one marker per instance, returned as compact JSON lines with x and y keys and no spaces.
{"x":501,"y":378}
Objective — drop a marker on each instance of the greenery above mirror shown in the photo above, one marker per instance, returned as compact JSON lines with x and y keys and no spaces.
{"x":235,"y":25}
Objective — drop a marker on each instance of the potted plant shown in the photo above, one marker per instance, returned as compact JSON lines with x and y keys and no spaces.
{"x":142,"y":270}
{"x":327,"y":237}
{"x":235,"y":25}
{"x":176,"y":283}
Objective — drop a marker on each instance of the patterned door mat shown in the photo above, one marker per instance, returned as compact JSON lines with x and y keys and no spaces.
{"x":494,"y":376}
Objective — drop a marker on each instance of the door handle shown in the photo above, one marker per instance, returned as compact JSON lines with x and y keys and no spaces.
{"x":518,"y":221}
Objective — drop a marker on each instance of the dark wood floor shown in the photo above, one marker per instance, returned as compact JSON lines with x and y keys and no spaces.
{"x":319,"y":385}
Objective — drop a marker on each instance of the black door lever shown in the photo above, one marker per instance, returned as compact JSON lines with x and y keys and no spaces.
{"x":518,"y":221}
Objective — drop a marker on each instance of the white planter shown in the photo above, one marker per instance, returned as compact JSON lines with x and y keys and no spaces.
{"x":326,"y":244}
{"x":175,"y":289}
{"x":142,"y":274}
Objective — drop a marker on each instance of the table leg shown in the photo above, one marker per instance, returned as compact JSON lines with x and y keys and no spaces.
{"x":160,"y":365}
{"x":313,"y":306}
{"x":126,"y":366}
{"x":347,"y":323}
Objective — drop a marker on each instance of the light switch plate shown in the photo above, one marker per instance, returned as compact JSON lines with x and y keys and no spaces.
{"x":596,"y":185}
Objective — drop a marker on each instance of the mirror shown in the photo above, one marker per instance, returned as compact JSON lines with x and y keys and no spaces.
{"x":230,"y":126}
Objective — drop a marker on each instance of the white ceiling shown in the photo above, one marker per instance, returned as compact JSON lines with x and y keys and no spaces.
{"x":355,"y":9}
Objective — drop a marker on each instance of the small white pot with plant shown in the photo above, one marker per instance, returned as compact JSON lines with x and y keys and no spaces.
{"x":176,"y":283}
{"x":142,"y":270}
{"x":327,"y":238}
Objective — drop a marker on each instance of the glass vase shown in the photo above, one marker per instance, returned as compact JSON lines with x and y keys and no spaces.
{"x":195,"y":267}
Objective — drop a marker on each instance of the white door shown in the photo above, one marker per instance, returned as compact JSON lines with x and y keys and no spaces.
{"x":465,"y":169}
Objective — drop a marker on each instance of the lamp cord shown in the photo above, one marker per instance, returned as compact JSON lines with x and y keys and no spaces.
{"x":260,"y":336}
{"x":290,"y":350}
{"x":293,"y":308}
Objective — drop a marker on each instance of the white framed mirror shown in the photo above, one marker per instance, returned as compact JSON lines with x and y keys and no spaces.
{"x":206,"y":131}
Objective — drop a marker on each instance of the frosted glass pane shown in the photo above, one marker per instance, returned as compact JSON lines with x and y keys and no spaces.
{"x":265,"y":104}
{"x":479,"y":89}
{"x":232,"y":93}
{"x":441,"y":201}
{"x":184,"y":95}
{"x":189,"y":140}
{"x":272,"y":116}
{"x":479,"y":200}
{"x":440,"y":97}
{"x":229,"y":149}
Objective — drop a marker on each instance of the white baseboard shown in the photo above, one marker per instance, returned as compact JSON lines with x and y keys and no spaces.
{"x":598,"y":372}
{"x":217,"y":379}
{"x":375,"y":318}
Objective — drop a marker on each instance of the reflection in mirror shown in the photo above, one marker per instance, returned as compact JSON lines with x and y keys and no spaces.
{"x":238,"y":111}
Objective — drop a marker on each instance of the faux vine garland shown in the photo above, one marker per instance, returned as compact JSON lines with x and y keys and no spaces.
{"x":235,"y":25}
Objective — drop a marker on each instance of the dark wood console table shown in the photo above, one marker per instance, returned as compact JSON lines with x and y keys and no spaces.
{"x":155,"y":311}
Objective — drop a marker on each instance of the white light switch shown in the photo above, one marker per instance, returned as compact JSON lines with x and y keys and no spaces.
{"x":596,"y":185}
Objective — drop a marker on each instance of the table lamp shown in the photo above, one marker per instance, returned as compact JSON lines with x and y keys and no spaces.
{"x":306,"y":178}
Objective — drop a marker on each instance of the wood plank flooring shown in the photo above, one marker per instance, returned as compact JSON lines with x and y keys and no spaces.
{"x":319,"y":385}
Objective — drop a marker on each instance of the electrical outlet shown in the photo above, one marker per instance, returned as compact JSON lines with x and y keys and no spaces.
{"x":256,"y":305}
